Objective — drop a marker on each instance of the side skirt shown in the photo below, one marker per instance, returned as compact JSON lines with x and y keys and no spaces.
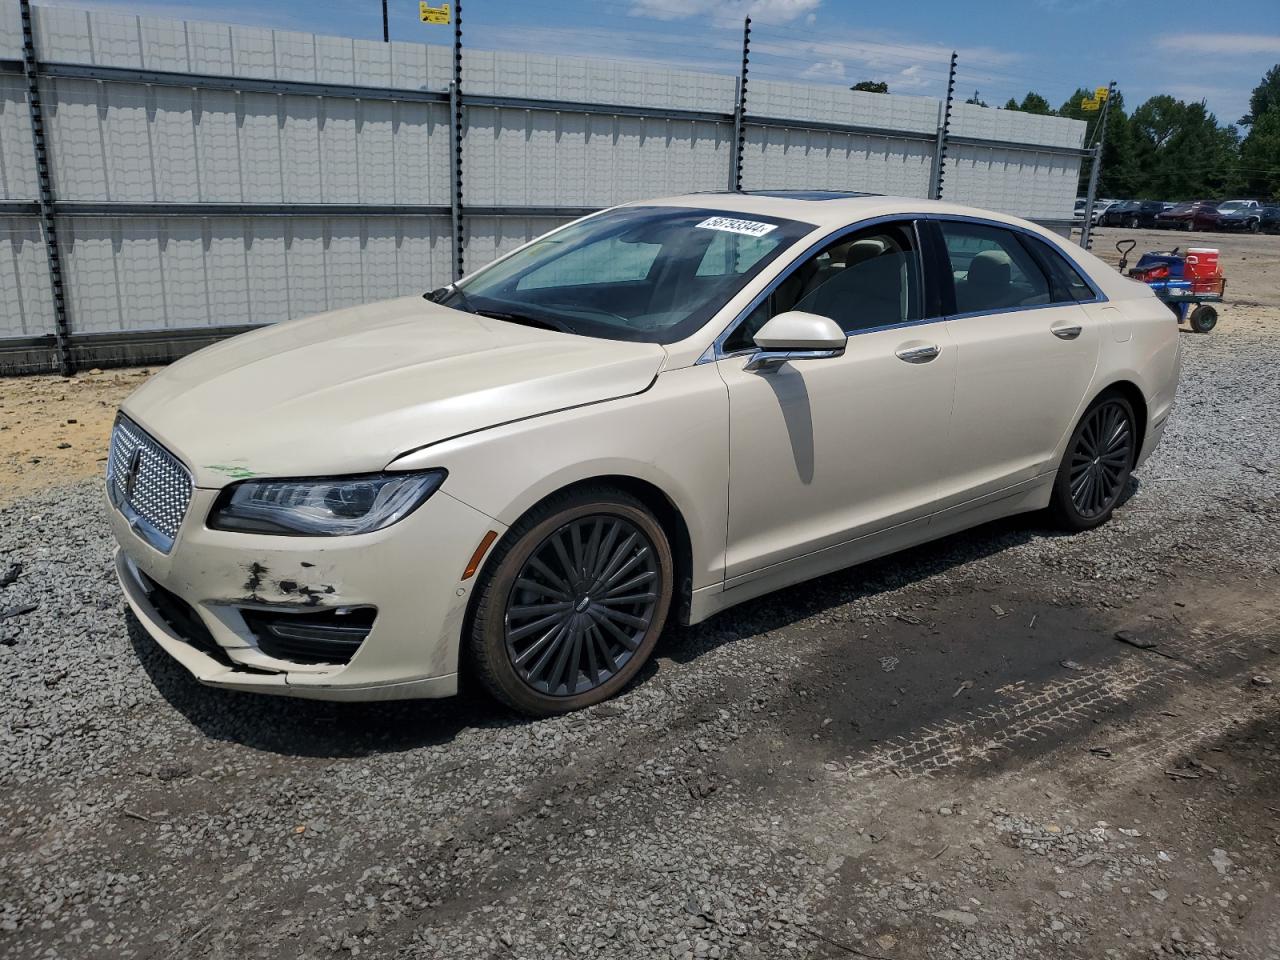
{"x":1024,"y":497}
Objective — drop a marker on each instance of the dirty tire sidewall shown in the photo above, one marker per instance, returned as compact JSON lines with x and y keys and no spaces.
{"x":486,"y":640}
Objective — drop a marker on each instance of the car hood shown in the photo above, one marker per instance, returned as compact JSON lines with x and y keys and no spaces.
{"x":349,"y":391}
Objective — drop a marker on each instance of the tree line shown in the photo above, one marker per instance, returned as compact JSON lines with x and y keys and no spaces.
{"x":1169,"y":149}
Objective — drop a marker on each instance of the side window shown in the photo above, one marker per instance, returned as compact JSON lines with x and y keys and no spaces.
{"x":867,"y":280}
{"x":991,"y":269}
{"x":1065,"y":281}
{"x":612,"y":260}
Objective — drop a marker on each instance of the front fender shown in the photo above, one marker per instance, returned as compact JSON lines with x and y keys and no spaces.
{"x":673,"y":436}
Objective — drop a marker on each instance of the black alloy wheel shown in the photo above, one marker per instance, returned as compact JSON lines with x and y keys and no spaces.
{"x":573,"y":602}
{"x":1097,"y":464}
{"x":581,"y":605}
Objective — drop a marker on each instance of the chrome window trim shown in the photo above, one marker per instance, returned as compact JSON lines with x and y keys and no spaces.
{"x":717,"y":352}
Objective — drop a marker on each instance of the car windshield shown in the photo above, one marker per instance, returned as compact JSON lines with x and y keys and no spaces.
{"x":652,"y":274}
{"x":1185,"y":207}
{"x":1231,"y":206}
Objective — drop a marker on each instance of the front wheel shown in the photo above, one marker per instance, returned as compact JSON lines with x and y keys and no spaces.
{"x":572,"y":602}
{"x":1096,"y":465}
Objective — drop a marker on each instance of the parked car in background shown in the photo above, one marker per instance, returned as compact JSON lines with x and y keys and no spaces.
{"x":1100,"y":207}
{"x":1269,"y":221}
{"x":1240,"y":215}
{"x":1132,"y":214}
{"x":666,"y":408}
{"x":1189,"y":215}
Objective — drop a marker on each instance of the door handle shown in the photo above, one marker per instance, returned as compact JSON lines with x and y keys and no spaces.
{"x":1066,"y":331}
{"x":918,"y":354}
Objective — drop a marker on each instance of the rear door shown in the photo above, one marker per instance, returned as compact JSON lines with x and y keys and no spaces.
{"x":1026,"y":351}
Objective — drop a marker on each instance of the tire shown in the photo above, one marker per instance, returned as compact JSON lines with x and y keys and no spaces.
{"x":1090,"y":480}
{"x":1203,"y":318}
{"x":1254,"y":226}
{"x":545,"y":638}
{"x":1133,"y":223}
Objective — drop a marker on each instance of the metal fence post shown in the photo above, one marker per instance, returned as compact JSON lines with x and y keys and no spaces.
{"x":944,"y":130}
{"x":44,"y":179}
{"x":739,"y":111}
{"x":1095,"y":170}
{"x":455,"y":143}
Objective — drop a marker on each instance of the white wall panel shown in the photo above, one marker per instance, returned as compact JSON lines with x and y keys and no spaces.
{"x":815,"y":160}
{"x":10,"y":31}
{"x":150,"y":273}
{"x":17,"y":161}
{"x":26,"y":308}
{"x":74,"y":135}
{"x":217,"y":145}
{"x":1021,"y":182}
{"x":543,"y":158}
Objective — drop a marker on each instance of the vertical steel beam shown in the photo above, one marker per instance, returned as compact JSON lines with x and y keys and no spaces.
{"x":386,"y":32}
{"x":44,"y":179}
{"x":944,"y":130}
{"x":1095,"y":170}
{"x":455,"y":144}
{"x":739,"y":112}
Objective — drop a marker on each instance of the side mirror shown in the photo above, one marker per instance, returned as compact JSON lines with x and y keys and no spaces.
{"x":796,"y":335}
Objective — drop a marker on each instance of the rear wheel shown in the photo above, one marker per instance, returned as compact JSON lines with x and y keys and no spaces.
{"x":572,"y":602}
{"x":1203,"y":318}
{"x":1096,"y":466}
{"x":1133,"y":223}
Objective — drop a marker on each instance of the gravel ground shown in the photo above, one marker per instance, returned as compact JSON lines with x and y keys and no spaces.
{"x":943,"y":754}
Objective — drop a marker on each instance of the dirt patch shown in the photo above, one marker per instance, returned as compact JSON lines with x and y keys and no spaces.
{"x":55,"y":430}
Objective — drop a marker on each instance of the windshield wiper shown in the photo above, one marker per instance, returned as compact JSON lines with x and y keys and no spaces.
{"x":525,"y":319}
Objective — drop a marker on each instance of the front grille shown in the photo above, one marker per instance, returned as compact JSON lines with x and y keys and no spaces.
{"x":147,"y":483}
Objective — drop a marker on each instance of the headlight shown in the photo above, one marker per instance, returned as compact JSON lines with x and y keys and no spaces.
{"x":323,"y":507}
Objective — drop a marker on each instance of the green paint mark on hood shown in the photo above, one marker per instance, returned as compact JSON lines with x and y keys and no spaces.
{"x":235,"y":473}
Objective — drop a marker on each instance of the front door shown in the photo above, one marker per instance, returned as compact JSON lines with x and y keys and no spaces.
{"x":825,"y":451}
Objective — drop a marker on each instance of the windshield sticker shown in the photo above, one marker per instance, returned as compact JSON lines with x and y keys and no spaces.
{"x":750,"y":228}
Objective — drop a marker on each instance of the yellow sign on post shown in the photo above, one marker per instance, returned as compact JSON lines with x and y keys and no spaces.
{"x":1101,"y":93}
{"x":1090,"y":104}
{"x":432,"y":14}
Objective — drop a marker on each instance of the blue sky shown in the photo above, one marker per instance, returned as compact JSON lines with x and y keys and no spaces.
{"x":1006,"y":47}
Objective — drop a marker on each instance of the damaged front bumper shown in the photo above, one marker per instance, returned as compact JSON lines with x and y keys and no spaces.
{"x":215,"y":600}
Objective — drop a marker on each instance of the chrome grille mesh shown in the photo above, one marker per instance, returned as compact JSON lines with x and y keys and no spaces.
{"x":156,"y":497}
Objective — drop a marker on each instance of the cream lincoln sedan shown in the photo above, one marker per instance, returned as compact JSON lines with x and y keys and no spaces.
{"x":654,"y":412}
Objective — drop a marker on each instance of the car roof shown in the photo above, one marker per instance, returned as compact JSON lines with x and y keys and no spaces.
{"x":827,"y":209}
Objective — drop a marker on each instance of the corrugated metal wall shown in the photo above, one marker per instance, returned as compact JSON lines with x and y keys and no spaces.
{"x":123,"y":141}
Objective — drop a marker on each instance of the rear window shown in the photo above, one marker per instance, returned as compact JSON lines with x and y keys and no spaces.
{"x":991,"y":269}
{"x":1066,"y":283}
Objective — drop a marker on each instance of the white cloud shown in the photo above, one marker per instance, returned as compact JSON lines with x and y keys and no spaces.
{"x":726,"y":11}
{"x":825,"y":70}
{"x":1239,"y":44}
